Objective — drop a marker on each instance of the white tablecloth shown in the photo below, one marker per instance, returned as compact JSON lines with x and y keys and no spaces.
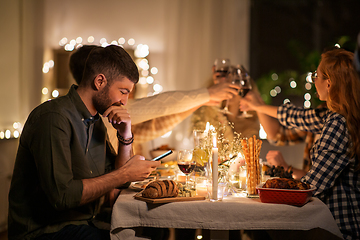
{"x":233,"y":213}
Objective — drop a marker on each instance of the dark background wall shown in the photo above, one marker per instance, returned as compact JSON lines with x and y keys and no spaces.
{"x":291,"y":34}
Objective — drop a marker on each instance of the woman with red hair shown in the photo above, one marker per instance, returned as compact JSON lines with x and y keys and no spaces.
{"x":335,"y":155}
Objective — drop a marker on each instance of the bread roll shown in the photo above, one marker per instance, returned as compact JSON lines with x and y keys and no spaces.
{"x":161,"y":189}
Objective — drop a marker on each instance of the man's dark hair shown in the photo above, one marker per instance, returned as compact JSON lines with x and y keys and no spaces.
{"x":78,"y":60}
{"x":112,"y":61}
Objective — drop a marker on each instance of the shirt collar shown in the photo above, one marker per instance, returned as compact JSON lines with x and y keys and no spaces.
{"x":85,"y":115}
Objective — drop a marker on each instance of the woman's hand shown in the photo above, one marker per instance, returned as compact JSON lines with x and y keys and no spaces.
{"x":251,"y":101}
{"x":276,"y":158}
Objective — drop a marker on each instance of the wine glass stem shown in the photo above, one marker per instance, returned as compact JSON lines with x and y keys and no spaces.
{"x":187,"y":181}
{"x":227,"y":103}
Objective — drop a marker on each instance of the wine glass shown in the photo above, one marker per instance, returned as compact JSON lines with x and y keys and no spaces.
{"x":243,"y":80}
{"x":222,"y":70}
{"x":201,"y":152}
{"x":186,"y":163}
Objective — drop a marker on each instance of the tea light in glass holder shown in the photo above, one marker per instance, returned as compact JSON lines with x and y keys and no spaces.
{"x":201,"y":186}
{"x":242,"y":177}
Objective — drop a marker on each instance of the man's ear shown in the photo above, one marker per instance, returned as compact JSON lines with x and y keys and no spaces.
{"x":100,"y":81}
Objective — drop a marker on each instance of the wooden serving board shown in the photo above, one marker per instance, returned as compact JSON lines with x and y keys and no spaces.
{"x":167,"y":200}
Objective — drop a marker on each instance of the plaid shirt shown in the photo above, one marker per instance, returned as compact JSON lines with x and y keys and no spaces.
{"x":291,"y":136}
{"x":333,"y":171}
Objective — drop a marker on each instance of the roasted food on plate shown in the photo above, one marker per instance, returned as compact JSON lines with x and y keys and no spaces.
{"x":285,"y":183}
{"x":161,"y":189}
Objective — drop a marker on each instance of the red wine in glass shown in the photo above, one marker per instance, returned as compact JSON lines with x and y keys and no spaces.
{"x":186,"y":163}
{"x":186,"y":167}
{"x":243,"y":91}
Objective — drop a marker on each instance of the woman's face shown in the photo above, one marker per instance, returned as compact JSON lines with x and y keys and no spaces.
{"x":322,"y":85}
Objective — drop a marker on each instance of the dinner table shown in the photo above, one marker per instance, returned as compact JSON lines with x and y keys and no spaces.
{"x":235,"y":212}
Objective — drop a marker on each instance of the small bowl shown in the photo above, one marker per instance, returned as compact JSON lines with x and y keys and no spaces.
{"x":284,"y":196}
{"x":171,"y":157}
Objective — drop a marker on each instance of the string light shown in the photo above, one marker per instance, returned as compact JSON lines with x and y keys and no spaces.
{"x":307,"y":104}
{"x":55,"y":93}
{"x":91,"y":39}
{"x":273,"y":93}
{"x":274,"y":76}
{"x":141,"y":51}
{"x":286,"y":100}
{"x":277,"y":89}
{"x":293,"y":84}
{"x":154,"y":70}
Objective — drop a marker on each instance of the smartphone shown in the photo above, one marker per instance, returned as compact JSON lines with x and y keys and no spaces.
{"x":162,"y":156}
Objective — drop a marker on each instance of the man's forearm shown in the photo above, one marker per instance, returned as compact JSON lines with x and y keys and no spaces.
{"x":124,"y":154}
{"x":94,"y":188}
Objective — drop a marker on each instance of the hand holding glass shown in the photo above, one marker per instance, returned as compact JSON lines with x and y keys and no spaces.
{"x":243,"y":80}
{"x":222,"y":70}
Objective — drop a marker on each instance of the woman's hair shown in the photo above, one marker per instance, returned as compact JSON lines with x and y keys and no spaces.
{"x":344,"y":93}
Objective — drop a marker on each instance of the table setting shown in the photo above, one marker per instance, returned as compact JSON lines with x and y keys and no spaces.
{"x":217,"y":187}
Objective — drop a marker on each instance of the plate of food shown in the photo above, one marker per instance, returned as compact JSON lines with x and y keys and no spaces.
{"x":285,"y":191}
{"x":163,"y":191}
{"x":141,"y":185}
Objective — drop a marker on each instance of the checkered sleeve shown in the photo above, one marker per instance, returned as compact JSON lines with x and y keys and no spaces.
{"x":293,"y":135}
{"x":303,"y":119}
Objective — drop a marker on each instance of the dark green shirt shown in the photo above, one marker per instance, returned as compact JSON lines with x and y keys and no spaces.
{"x":61,"y":143}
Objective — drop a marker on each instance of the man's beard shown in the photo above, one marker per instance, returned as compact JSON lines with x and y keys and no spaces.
{"x":102,"y":101}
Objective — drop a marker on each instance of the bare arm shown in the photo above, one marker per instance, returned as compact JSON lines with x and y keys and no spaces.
{"x":267,"y":114}
{"x":154,"y":128}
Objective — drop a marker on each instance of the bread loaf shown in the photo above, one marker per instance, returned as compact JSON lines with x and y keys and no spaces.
{"x":285,"y":183}
{"x":161,"y":189}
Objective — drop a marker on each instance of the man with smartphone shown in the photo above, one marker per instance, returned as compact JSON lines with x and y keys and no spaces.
{"x":63,"y":167}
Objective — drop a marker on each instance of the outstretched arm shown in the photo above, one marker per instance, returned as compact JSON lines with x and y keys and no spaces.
{"x":267,"y":114}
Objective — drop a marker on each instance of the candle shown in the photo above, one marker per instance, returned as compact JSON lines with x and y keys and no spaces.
{"x":201,"y":188}
{"x":214,"y":173}
{"x":181,"y":178}
{"x":242,"y":177}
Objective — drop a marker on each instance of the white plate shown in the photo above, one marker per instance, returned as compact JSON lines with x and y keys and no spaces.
{"x":140,"y":185}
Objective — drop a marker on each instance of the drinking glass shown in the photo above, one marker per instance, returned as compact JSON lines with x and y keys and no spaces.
{"x":243,"y":80}
{"x":186,"y":163}
{"x":201,"y":153}
{"x":222,"y":69}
